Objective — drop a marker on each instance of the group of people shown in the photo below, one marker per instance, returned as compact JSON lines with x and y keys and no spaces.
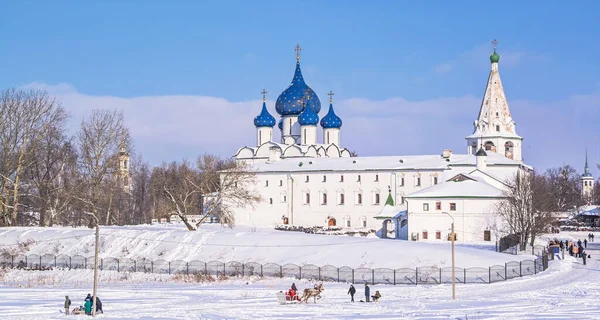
{"x":368,"y":296}
{"x":591,"y":237}
{"x":576,"y":250}
{"x":87,"y":306}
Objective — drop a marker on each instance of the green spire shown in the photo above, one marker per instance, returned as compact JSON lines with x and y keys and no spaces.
{"x":389,"y":200}
{"x":494,"y":58}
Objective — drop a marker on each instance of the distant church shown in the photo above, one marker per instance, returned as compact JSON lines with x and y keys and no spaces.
{"x":305,"y":182}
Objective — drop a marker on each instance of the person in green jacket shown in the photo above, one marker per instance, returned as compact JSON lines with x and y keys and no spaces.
{"x":88,"y":307}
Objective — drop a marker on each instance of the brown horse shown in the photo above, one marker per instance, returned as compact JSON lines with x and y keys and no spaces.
{"x":315,"y":293}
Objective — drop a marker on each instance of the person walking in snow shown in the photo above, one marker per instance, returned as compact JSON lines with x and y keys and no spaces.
{"x":579,"y":243}
{"x":67,"y":305}
{"x":367,"y":292}
{"x":98,"y":305}
{"x":351,"y":292}
{"x":592,"y":237}
{"x":585,"y":243}
{"x":584,"y":256}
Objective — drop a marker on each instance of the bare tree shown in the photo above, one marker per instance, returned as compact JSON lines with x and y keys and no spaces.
{"x":229,"y":184}
{"x":566,"y":188}
{"x":99,"y":139}
{"x":527,"y":208}
{"x":50,"y":176}
{"x":353,"y":153}
{"x":213,"y":187}
{"x":596,"y":193}
{"x":26,"y":117}
{"x":140,"y":193}
{"x":178,"y":183}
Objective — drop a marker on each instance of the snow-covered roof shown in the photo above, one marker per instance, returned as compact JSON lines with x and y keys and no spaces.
{"x":411,"y":162}
{"x":590,"y":211}
{"x":389,"y":212}
{"x":461,"y":186}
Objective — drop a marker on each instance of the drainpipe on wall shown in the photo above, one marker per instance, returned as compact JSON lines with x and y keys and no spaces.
{"x":394,"y":182}
{"x":291,"y":206}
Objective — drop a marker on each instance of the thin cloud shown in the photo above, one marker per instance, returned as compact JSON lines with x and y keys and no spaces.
{"x":168,"y":128}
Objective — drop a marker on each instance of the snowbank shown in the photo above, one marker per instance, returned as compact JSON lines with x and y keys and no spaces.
{"x":245,"y":244}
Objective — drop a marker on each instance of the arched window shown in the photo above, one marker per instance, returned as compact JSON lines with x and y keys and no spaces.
{"x":498,"y":128}
{"x":331,"y":222}
{"x":508,"y":149}
{"x":489,"y":146}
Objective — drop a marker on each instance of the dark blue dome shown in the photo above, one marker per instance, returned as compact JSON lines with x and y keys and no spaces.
{"x":280,"y":124}
{"x":308,"y":117}
{"x":264,"y":119}
{"x":331,"y":120}
{"x":290,"y":101}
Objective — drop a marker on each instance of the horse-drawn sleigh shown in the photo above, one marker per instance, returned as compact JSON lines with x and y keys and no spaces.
{"x":290,"y":296}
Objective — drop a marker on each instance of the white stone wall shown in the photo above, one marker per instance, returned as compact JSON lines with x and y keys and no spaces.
{"x":308,"y":135}
{"x":285,"y":195}
{"x":263,"y":134}
{"x":471,"y":217}
{"x":331,"y":136}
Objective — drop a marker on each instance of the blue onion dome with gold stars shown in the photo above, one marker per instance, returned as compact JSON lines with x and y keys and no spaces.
{"x":331,"y":120}
{"x":290,"y":101}
{"x":264,"y":119}
{"x":308,"y":117}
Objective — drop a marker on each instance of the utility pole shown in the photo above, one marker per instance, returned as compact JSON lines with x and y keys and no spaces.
{"x":453,"y":265}
{"x":94,"y":297}
{"x":452,"y":234}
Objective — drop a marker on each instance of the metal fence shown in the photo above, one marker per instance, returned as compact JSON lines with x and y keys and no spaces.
{"x":407,"y":276}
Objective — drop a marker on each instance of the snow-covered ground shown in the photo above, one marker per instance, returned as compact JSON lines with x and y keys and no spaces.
{"x":567,"y":290}
{"x":245,"y":244}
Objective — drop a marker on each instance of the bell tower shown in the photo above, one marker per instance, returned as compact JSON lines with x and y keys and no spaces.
{"x":494,"y":129}
{"x":587,"y":181}
{"x":123,"y":176}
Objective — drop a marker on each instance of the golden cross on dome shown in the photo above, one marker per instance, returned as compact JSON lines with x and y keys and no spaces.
{"x":495,"y":44}
{"x":264,"y":93}
{"x":330,"y":94}
{"x":298,"y":49}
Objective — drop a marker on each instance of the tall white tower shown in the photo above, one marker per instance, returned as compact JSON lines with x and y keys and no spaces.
{"x":331,"y":124}
{"x":587,"y":181}
{"x":123,"y":175}
{"x":264,"y":123}
{"x":495,"y":128}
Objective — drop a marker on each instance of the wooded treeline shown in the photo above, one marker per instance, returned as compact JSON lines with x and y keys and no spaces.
{"x":48,"y":176}
{"x":533,"y":200}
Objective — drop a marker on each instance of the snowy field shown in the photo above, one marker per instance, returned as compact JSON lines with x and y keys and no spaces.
{"x":245,"y":244}
{"x":567,"y":290}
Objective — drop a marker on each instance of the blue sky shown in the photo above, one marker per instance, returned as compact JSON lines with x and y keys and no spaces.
{"x":188,"y":57}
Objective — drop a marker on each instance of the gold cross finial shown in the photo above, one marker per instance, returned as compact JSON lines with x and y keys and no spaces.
{"x":298,"y":49}
{"x":495,"y":44}
{"x":264,"y":93}
{"x":330,"y":94}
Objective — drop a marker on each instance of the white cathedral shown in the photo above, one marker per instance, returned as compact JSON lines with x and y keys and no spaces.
{"x":305,"y":182}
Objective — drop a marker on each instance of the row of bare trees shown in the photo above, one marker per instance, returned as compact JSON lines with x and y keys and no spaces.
{"x":48,"y":176}
{"x":532,"y":201}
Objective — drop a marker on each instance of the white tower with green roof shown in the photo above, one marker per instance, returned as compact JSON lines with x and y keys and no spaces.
{"x":494,"y":129}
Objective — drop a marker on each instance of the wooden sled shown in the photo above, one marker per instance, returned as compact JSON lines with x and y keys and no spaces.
{"x":285,"y":298}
